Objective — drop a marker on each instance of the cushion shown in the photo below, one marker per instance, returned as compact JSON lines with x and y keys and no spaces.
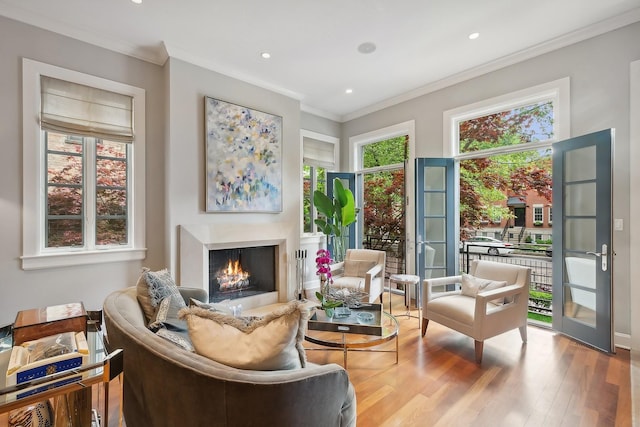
{"x":181,"y":339}
{"x":221,"y":306}
{"x":153,"y":287}
{"x":166,"y":315}
{"x":269,"y":343}
{"x":472,"y":285}
{"x":353,"y":268}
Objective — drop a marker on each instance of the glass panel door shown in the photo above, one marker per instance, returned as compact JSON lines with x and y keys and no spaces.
{"x":435,"y":218}
{"x":582,"y":240}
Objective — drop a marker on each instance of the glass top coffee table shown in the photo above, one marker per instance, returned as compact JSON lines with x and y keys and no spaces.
{"x":342,"y":338}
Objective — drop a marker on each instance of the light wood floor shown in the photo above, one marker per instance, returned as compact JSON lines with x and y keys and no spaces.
{"x":550,"y":381}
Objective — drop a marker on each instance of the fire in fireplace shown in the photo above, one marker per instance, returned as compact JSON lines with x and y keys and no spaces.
{"x":241,"y":272}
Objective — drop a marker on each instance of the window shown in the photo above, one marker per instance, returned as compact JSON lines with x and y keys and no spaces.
{"x":319,"y":155}
{"x":538,"y":216}
{"x":83,"y":168}
{"x":313,"y":178}
{"x":503,"y":148}
{"x":550,"y":221}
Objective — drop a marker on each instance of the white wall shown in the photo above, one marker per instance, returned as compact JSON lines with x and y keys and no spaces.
{"x":185,"y":165}
{"x":599,"y":73}
{"x":90,"y":284}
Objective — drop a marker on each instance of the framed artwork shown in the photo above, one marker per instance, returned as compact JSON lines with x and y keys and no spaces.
{"x":244,"y":158}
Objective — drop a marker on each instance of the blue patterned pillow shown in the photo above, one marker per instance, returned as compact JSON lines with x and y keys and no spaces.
{"x":153,"y":287}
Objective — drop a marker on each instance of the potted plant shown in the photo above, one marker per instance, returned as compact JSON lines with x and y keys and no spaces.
{"x":328,"y":305}
{"x":337,"y":214}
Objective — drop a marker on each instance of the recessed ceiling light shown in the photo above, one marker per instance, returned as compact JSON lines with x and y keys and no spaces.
{"x":348,"y":91}
{"x":137,"y":1}
{"x":367,"y":47}
{"x":265,"y":55}
{"x":474,"y":36}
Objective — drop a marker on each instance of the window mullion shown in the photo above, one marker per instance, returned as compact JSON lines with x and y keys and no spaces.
{"x":90,"y":193}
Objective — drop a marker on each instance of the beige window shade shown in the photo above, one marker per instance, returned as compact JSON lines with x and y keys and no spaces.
{"x":72,"y":108}
{"x":318,"y":153}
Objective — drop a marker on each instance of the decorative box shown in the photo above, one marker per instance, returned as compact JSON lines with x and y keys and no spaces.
{"x":46,"y":356}
{"x":43,"y":322}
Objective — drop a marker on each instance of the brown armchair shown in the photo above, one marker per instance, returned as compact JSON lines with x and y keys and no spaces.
{"x":491,"y":300}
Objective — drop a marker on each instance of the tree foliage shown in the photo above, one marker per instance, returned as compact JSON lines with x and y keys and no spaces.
{"x":486,"y":182}
{"x":66,"y":199}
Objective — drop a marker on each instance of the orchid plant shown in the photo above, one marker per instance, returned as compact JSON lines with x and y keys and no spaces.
{"x":323,"y":264}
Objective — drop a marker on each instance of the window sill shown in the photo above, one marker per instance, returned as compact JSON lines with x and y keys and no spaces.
{"x":67,"y":259}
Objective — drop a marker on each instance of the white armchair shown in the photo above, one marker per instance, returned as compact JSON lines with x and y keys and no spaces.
{"x":362,"y":269}
{"x":491,"y":300}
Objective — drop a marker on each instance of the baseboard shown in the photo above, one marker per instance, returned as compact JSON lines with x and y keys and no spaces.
{"x":622,"y":340}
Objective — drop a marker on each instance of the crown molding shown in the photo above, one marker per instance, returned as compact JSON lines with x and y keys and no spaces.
{"x":154,"y":55}
{"x":533,"y":51}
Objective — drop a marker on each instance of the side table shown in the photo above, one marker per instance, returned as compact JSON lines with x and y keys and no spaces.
{"x":410,"y":282}
{"x":102,"y":368}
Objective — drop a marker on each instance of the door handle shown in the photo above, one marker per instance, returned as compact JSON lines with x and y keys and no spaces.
{"x":603,"y":255}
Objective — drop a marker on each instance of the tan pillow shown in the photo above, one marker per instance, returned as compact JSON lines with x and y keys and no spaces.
{"x":269,"y":343}
{"x":472,"y":285}
{"x":354,"y":268}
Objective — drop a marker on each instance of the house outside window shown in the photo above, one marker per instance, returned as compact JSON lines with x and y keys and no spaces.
{"x":538,"y":215}
{"x":84,"y":169}
{"x":550,"y":221}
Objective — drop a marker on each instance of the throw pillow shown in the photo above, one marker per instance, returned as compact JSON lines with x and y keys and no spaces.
{"x":353,"y":268}
{"x":166,"y":315}
{"x":177,"y":338}
{"x":269,"y":343}
{"x":472,"y":285}
{"x":153,"y":287}
{"x":220,"y":307}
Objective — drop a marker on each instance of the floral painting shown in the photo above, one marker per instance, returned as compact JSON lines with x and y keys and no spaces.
{"x":244,"y":158}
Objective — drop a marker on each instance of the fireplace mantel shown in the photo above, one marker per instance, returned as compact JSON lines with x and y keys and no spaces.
{"x":197,"y":240}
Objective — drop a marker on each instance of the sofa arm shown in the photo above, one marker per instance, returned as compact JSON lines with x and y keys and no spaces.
{"x":195,"y":293}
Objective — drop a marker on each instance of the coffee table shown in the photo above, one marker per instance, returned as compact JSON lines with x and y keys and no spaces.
{"x":343,"y":340}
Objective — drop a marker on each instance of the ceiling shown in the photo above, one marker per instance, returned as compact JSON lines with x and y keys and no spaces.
{"x":421,"y":45}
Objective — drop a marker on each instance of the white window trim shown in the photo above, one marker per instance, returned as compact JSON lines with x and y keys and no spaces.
{"x":541,"y":207}
{"x":336,"y":154}
{"x":557,"y":91}
{"x":33,"y":231}
{"x":355,"y":144}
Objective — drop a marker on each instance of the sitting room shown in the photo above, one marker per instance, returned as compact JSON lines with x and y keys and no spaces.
{"x":151,"y":146}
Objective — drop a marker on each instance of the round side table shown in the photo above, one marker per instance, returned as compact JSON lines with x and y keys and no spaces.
{"x":410,"y":282}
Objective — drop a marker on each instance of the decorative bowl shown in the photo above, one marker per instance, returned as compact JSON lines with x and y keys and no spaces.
{"x":365,"y":317}
{"x":343,"y":312}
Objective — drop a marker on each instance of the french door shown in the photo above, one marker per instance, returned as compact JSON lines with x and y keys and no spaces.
{"x":582,"y":240}
{"x":436,"y":216}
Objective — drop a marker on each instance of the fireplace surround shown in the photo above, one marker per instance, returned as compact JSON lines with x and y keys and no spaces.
{"x":198,"y":241}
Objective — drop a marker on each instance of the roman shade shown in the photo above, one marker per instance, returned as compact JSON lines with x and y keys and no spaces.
{"x":318,"y":153}
{"x":77,"y":109}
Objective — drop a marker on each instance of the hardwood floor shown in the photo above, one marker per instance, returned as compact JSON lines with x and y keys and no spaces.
{"x":550,"y":381}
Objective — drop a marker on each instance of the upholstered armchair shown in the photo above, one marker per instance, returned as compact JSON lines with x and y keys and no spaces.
{"x":362,"y":269}
{"x":490,"y":300}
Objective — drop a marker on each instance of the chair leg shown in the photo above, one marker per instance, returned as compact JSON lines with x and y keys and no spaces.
{"x":523,"y":333}
{"x":425,"y":323}
{"x":479,"y":346}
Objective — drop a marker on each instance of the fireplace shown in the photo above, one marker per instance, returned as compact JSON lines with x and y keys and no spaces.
{"x":241,"y":272}
{"x":198,"y":242}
